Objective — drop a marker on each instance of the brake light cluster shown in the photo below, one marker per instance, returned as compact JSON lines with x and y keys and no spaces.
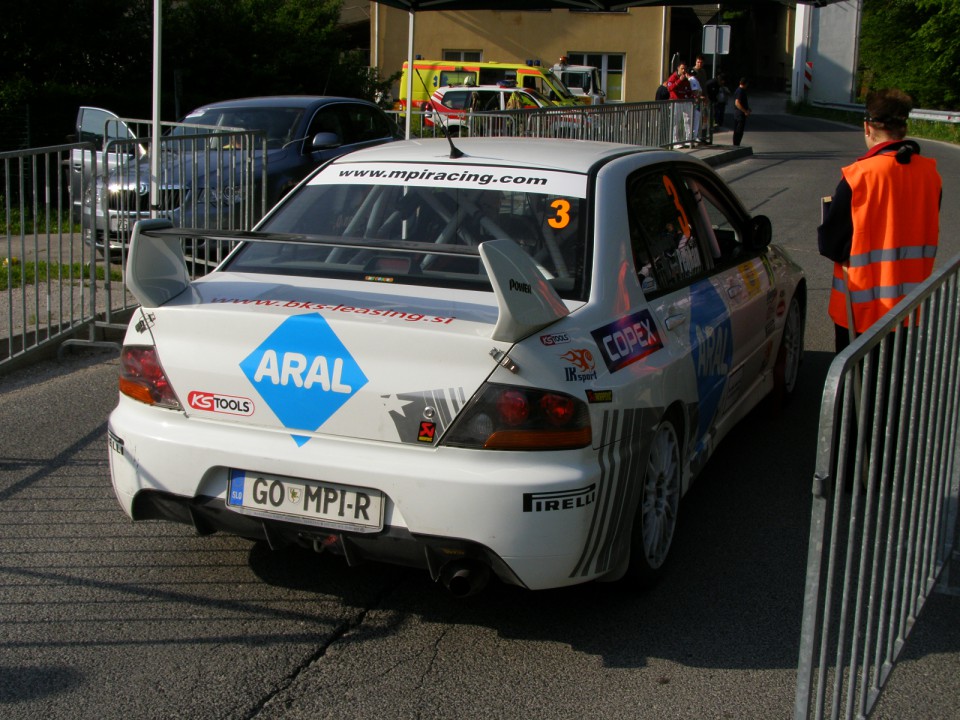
{"x":506,"y":417}
{"x":142,"y":377}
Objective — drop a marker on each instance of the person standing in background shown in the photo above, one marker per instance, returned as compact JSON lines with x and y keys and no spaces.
{"x":741,"y":111}
{"x":696,"y":93}
{"x":717,"y":93}
{"x":679,"y":86}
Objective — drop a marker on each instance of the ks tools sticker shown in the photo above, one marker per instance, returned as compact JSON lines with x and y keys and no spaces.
{"x":304,"y":373}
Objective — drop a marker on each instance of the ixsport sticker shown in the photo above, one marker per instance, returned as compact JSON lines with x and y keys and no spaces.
{"x":581,"y":367}
{"x":304,"y":373}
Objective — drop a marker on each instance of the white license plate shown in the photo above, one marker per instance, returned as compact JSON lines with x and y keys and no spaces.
{"x":119,"y":223}
{"x":325,"y":504}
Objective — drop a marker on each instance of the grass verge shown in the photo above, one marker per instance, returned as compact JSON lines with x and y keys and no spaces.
{"x":16,"y":274}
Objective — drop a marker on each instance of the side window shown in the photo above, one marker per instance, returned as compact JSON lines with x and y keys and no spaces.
{"x":326,"y":120}
{"x":99,"y":126}
{"x":487,"y":100}
{"x":667,"y":251}
{"x":455,"y":77}
{"x":719,"y":226}
{"x":362,"y":123}
{"x":526,"y":101}
{"x":457,"y":99}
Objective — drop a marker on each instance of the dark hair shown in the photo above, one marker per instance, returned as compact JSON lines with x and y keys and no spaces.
{"x":888,"y":110}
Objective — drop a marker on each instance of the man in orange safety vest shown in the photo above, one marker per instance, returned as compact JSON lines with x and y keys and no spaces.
{"x":883,"y":223}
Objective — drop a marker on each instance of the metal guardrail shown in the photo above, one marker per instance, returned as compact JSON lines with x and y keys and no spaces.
{"x":944,"y":116}
{"x":885,"y":491}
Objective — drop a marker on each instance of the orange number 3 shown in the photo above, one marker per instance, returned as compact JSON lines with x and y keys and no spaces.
{"x":675,"y":196}
{"x":562,"y":218}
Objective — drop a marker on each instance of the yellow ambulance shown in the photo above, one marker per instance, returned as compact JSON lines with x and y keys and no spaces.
{"x":432,"y":74}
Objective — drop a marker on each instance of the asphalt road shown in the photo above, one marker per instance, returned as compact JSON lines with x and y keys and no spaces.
{"x":101,"y":618}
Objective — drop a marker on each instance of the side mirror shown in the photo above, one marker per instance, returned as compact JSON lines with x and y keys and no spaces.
{"x":325,"y":141}
{"x":761,"y":232}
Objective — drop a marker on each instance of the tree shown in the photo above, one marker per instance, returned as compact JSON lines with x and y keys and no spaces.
{"x":55,"y":56}
{"x":912,"y":45}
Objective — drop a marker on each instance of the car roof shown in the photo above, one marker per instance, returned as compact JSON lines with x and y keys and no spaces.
{"x":545,"y":153}
{"x":501,"y":88}
{"x":287,"y":101}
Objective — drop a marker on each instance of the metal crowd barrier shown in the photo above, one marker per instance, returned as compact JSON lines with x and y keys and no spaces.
{"x":47,"y":278}
{"x":654,"y":124}
{"x":68,"y":215}
{"x":884,"y":516}
{"x":206,"y":179}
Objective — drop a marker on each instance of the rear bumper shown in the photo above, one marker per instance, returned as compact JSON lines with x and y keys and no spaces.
{"x":393,"y":545}
{"x":439,"y":502}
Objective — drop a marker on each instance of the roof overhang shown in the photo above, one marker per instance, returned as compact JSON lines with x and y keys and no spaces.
{"x":597,"y":5}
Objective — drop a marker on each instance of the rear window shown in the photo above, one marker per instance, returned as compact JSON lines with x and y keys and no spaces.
{"x":279,"y":124}
{"x":423,"y":225}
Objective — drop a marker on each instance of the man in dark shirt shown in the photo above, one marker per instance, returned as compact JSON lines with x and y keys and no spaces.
{"x":741,"y":111}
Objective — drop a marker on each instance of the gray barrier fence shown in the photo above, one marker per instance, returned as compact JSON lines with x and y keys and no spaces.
{"x":68,"y":213}
{"x":883,"y":525}
{"x":205,"y":179}
{"x":655,"y":124}
{"x":47,"y":276}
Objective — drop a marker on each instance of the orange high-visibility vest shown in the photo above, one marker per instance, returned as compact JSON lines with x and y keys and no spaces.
{"x":896,"y":228}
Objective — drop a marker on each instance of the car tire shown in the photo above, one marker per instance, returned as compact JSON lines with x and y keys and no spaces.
{"x":655,"y":521}
{"x":786,"y":368}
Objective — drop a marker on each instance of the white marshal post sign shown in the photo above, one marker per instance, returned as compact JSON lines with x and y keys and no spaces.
{"x":716,"y":41}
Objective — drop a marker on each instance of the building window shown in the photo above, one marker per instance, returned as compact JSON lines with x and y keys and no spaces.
{"x":463,"y":55}
{"x":611,"y":66}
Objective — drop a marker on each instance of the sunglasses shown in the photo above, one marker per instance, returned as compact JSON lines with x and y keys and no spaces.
{"x":884,"y":120}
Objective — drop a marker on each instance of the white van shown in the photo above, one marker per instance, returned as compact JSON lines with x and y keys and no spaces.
{"x":582,"y":80}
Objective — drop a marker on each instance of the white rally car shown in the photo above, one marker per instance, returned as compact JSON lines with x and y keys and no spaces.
{"x":512,"y":356}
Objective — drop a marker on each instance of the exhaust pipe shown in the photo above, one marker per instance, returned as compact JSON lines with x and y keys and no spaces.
{"x":463,"y":578}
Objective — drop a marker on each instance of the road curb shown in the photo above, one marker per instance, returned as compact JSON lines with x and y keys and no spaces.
{"x":715,"y":155}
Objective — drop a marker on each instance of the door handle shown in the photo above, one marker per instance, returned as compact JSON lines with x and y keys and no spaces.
{"x":674,"y":321}
{"x":734,"y":290}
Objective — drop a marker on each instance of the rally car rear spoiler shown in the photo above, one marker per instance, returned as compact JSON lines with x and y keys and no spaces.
{"x":527,"y":302}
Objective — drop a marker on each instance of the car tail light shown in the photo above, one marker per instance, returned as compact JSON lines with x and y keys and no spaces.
{"x":143,"y":379}
{"x":503,"y":417}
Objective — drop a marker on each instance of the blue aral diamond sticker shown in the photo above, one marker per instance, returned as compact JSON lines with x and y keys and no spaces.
{"x":303,"y":373}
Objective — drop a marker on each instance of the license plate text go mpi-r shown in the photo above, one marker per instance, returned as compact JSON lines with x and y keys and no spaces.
{"x":325,"y":504}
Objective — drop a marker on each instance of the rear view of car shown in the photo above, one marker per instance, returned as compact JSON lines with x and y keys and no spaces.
{"x":509,"y":362}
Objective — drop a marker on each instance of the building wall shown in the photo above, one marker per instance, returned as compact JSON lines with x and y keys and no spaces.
{"x":834,"y":44}
{"x":520,"y":36}
{"x":829,"y":38}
